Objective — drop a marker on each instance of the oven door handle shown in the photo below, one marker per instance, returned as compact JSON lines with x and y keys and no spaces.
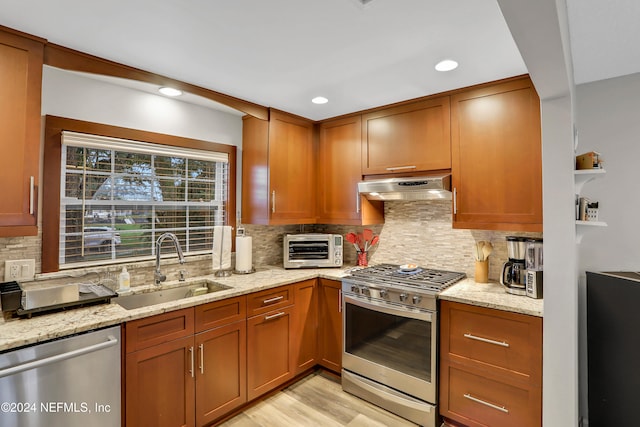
{"x":389,"y":309}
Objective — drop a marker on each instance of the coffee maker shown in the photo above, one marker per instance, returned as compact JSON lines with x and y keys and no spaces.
{"x":534,"y":268}
{"x":514,"y":272}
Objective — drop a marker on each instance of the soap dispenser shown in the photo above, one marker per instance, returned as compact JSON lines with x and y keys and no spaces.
{"x":124,"y":280}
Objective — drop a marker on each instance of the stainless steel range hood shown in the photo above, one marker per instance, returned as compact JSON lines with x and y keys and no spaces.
{"x":432,"y":187}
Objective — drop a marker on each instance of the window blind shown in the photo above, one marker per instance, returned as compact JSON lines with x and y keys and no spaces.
{"x":118,"y":196}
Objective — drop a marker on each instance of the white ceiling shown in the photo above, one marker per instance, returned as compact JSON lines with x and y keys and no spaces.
{"x":604,"y":38}
{"x":282,"y":53}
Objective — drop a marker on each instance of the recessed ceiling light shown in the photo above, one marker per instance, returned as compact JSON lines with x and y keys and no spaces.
{"x":319,"y":100}
{"x":169,"y":91}
{"x":446,"y":65}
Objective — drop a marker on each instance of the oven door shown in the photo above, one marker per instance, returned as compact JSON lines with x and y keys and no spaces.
{"x":391,"y":344}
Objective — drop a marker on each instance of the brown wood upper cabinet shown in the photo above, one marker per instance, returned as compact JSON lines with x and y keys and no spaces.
{"x":278,"y":173}
{"x":496,"y":157}
{"x":20,"y":85}
{"x":408,"y":138}
{"x":339,"y":171}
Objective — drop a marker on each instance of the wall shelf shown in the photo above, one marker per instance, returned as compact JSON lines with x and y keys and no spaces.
{"x":586,"y":175}
{"x":582,"y":226}
{"x":581,"y":178}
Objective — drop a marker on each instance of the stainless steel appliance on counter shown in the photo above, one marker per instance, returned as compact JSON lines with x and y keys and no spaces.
{"x":390,"y":333}
{"x":68,"y":382}
{"x":312,"y":250}
{"x":514,"y":274}
{"x":26,"y":303}
{"x":534,"y":263}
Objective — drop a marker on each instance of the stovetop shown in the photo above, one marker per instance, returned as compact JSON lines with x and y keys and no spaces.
{"x":390,"y":275}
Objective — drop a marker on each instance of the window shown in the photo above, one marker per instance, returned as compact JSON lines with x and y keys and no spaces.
{"x":118,"y":196}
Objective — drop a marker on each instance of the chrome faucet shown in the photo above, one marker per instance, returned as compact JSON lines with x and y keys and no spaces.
{"x":159,"y":276}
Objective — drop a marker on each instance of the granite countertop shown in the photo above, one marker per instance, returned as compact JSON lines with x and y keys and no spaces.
{"x":20,"y":332}
{"x":491,"y":295}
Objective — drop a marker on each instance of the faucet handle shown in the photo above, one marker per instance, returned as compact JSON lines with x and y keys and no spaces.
{"x":182,"y":275}
{"x":159,"y":277}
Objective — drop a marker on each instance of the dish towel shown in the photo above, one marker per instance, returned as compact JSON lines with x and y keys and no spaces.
{"x":221,"y":247}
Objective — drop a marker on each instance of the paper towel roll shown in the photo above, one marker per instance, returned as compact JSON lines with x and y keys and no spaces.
{"x":244,"y":248}
{"x":221,"y":255}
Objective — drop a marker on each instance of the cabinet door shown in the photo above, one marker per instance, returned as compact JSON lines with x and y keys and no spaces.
{"x":497,"y":163}
{"x":330,"y":325}
{"x":339,"y":171}
{"x":408,"y":138}
{"x":221,"y":379}
{"x":20,"y":85}
{"x":255,"y":171}
{"x":291,"y":170}
{"x":305,"y":324}
{"x":159,"y":385}
{"x":269,"y":358}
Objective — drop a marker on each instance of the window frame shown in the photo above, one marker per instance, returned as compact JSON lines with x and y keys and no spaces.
{"x":54,"y":126}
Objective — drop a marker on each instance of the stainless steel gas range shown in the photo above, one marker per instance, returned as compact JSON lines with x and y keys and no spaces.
{"x":390,"y":337}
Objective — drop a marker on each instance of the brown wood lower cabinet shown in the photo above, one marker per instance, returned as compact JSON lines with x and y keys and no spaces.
{"x":269,"y":355}
{"x":330,"y":325}
{"x":221,"y":380}
{"x":175,"y":378}
{"x":305,"y":325}
{"x":490,"y":367}
{"x":159,"y":385}
{"x":192,"y":367}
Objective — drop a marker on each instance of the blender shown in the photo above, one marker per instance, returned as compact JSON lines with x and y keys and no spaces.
{"x":534,"y":268}
{"x":514,"y":273}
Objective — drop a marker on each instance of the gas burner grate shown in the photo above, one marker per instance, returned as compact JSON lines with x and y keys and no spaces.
{"x":423,"y":278}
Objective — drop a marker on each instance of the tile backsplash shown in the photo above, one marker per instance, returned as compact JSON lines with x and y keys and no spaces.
{"x":416,"y":232}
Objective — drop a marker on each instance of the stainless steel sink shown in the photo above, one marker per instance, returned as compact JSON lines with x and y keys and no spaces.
{"x":194,"y":288}
{"x":633,"y":275}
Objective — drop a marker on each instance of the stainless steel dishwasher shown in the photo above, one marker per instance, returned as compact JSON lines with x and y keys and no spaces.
{"x":70,"y":382}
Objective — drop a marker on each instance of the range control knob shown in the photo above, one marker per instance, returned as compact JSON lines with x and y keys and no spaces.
{"x":365,"y":291}
{"x":416,"y":299}
{"x":403,"y":297}
{"x":384,"y":293}
{"x":355,"y":289}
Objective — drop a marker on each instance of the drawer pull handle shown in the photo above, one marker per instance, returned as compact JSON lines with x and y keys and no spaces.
{"x":487,"y":340}
{"x":398,"y":168}
{"x":490,"y":405}
{"x":274,"y":316}
{"x":272,"y":300}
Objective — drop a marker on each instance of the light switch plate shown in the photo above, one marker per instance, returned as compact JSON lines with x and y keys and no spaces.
{"x":19,"y":269}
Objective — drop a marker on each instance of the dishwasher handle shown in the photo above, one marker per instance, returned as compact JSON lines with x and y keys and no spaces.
{"x":111,"y":341}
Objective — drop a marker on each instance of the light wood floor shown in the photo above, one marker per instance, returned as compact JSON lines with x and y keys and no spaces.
{"x":318,"y":401}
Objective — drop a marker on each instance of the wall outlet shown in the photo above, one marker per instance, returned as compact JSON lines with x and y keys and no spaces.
{"x":19,"y":269}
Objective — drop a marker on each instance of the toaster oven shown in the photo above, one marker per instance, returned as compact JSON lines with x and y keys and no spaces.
{"x":312,"y":250}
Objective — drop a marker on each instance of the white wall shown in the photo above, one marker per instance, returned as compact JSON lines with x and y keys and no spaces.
{"x":75,"y":96}
{"x":607,"y":119}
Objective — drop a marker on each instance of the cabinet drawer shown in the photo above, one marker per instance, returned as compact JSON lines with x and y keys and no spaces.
{"x":270,"y":299}
{"x":476,"y":400}
{"x":158,"y":329}
{"x":501,"y":339}
{"x":219,"y":313}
